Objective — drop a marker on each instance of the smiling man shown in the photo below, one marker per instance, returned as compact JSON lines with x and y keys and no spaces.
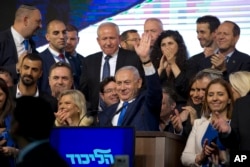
{"x":136,"y":107}
{"x":111,"y":56}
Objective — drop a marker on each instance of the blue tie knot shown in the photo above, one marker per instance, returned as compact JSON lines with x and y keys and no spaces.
{"x":107,"y":57}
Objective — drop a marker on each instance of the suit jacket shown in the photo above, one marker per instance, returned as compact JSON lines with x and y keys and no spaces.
{"x":48,"y":61}
{"x":47,"y":97}
{"x":194,"y":145}
{"x":78,"y":67}
{"x":240,"y":134}
{"x":8,"y":52}
{"x":143,"y":113}
{"x":90,"y":81}
{"x":41,"y":156}
{"x":237,"y":62}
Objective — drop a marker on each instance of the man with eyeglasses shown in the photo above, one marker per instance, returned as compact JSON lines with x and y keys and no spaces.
{"x":129,"y":39}
{"x":108,"y":92}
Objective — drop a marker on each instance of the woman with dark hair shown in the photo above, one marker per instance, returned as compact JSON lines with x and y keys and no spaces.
{"x":7,"y":146}
{"x":172,"y":65}
{"x":203,"y":143}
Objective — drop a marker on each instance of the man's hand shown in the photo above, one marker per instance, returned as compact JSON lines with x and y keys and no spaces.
{"x":218,"y":62}
{"x":143,"y":48}
{"x":176,"y":121}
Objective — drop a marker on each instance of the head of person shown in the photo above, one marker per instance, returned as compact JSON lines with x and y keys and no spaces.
{"x":72,"y":39}
{"x":6,"y":102}
{"x":108,"y":91}
{"x":240,"y":83}
{"x":218,"y":98}
{"x":194,"y":98}
{"x":73,"y":102}
{"x":128,"y":83}
{"x":108,"y":37}
{"x":130,"y":39}
{"x":28,"y":20}
{"x":227,"y":36}
{"x":172,"y":41}
{"x":56,"y":35}
{"x":203,"y":78}
{"x":6,"y":76}
{"x":154,"y":27}
{"x":168,"y":104}
{"x":60,"y":78}
{"x":32,"y":120}
{"x":31,"y":69}
{"x":206,"y":27}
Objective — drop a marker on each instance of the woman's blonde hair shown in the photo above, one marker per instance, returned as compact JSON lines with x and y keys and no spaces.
{"x":80,"y":101}
{"x":240,"y":81}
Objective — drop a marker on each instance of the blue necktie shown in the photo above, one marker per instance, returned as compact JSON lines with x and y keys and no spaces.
{"x":122,"y":114}
{"x":106,"y":67}
{"x":26,"y":44}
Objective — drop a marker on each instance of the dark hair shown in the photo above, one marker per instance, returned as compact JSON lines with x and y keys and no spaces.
{"x":212,"y":21}
{"x":61,"y":64}
{"x":236,"y":28}
{"x":8,"y":105}
{"x":4,"y":71}
{"x":105,"y":82}
{"x":181,"y":55}
{"x":205,"y":108}
{"x":35,"y":117}
{"x":33,"y":57}
{"x":124,"y":35}
{"x":70,"y":27}
{"x":173,"y":97}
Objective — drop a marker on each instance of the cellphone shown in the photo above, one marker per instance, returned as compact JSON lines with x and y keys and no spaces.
{"x":213,"y":141}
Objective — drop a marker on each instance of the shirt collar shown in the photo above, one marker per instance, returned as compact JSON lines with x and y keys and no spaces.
{"x":18,"y":38}
{"x":19,"y":93}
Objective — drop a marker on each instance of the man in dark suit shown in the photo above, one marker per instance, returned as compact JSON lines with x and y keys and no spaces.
{"x":206,"y":27}
{"x":108,"y":39}
{"x":236,"y":135}
{"x":142,"y":107}
{"x":30,"y":72}
{"x":31,"y":125}
{"x":56,"y":36}
{"x":74,"y":57}
{"x":12,"y":46}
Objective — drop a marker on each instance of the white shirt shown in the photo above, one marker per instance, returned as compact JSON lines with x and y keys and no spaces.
{"x":112,"y":64}
{"x":19,"y":93}
{"x":18,"y":39}
{"x":56,"y":55}
{"x":116,"y":117}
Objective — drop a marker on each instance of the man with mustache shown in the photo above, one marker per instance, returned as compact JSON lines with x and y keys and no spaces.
{"x":30,"y":72}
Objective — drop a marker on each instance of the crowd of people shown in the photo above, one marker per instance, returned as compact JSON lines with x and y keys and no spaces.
{"x":146,"y":81}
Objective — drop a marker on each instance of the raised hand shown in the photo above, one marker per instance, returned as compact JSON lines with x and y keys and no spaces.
{"x":208,"y":51}
{"x":143,"y":48}
{"x":220,"y":124}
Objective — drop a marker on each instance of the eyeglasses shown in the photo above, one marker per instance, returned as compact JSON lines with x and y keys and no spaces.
{"x":133,"y":39}
{"x":109,"y":91}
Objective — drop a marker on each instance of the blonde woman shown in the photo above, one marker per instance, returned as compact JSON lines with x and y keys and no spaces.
{"x":240,"y":82}
{"x":72,"y":110}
